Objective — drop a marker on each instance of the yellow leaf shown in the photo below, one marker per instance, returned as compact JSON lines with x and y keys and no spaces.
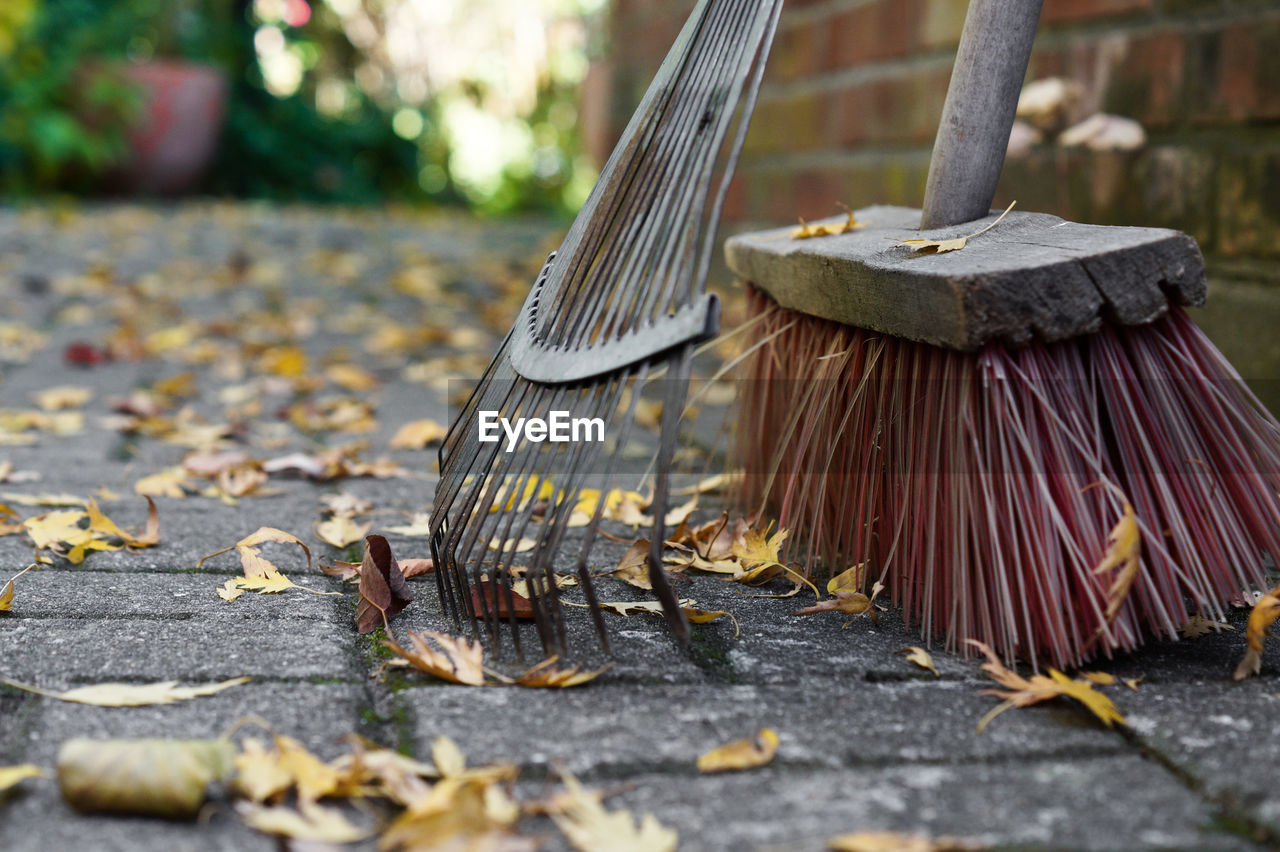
{"x":447,"y":757}
{"x":350,"y":377}
{"x":46,"y":500}
{"x":170,"y":482}
{"x":132,"y":695}
{"x":755,"y":549}
{"x":418,"y":434}
{"x":706,"y":616}
{"x":6,"y":594}
{"x":923,"y":246}
{"x":13,"y":775}
{"x":260,"y":574}
{"x":166,"y":778}
{"x":892,"y":841}
{"x":590,"y":828}
{"x":458,"y":661}
{"x":632,"y":607}
{"x":1261,"y":617}
{"x":807,"y":231}
{"x":547,"y":674}
{"x":62,"y":397}
{"x":1100,"y":678}
{"x":848,"y":580}
{"x":259,"y":775}
{"x":921,"y":658}
{"x":1124,"y":551}
{"x":419,"y":525}
{"x":287,"y":361}
{"x":1023,"y":692}
{"x":741,"y":754}
{"x":309,"y":822}
{"x":341,"y":531}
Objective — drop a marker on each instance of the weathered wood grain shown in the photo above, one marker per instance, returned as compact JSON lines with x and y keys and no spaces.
{"x":1033,"y":276}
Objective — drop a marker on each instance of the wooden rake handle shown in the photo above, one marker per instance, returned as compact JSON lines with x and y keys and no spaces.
{"x":973,"y":135}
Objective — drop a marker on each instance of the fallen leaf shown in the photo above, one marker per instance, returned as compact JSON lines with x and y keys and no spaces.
{"x":308,"y":822}
{"x":922,"y":658}
{"x":341,"y":531}
{"x":1023,"y":692}
{"x":458,"y":661}
{"x":131,"y":695}
{"x":956,"y":243}
{"x":170,"y":482}
{"x":549,"y":674}
{"x":6,"y":594}
{"x":489,"y":596}
{"x":741,"y":754}
{"x":73,"y":533}
{"x":346,"y":503}
{"x":411,"y":568}
{"x":1261,"y":617}
{"x":590,"y":828}
{"x":164,"y":778}
{"x":10,"y":776}
{"x":419,"y":525}
{"x":633,"y":568}
{"x":44,"y":500}
{"x":892,"y":841}
{"x":1100,"y":678}
{"x":807,"y":231}
{"x":632,"y":607}
{"x":260,"y":574}
{"x":706,"y":616}
{"x":417,"y":434}
{"x":383,"y":592}
{"x":1198,"y":625}
{"x":62,"y":397}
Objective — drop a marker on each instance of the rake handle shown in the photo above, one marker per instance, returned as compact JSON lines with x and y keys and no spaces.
{"x":977,"y":116}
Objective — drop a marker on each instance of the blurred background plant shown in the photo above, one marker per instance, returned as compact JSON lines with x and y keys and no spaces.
{"x":471,"y":102}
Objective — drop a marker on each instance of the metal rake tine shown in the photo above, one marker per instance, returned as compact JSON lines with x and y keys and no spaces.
{"x":679,"y":377}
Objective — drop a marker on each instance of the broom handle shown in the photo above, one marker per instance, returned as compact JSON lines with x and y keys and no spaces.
{"x":978,"y":114}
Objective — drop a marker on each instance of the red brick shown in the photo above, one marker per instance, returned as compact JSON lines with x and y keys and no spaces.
{"x":1146,"y":83}
{"x":800,"y":51}
{"x":1062,"y":11}
{"x":884,"y":29}
{"x":904,"y":108}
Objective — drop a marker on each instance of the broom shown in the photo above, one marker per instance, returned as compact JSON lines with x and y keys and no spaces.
{"x":1027,"y":438}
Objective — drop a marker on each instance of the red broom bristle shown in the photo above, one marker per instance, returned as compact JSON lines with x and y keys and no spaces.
{"x":982,"y":487}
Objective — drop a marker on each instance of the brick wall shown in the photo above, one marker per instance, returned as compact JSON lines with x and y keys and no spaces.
{"x":854,"y":88}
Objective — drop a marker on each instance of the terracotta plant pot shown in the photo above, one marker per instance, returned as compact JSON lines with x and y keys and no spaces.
{"x":177,"y":135}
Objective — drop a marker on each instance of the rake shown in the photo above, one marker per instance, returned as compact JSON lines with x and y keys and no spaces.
{"x":621,"y":303}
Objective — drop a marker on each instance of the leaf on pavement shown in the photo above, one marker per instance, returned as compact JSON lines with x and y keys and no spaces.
{"x":74,"y":533}
{"x":260,"y":574}
{"x":165,"y":778}
{"x":417,"y":434}
{"x":383,"y":591}
{"x":1197,"y":626}
{"x":892,"y":841}
{"x":550,"y":674}
{"x":706,"y":616}
{"x":742,"y":754}
{"x":633,"y":568}
{"x":419,"y":525}
{"x":590,"y":828}
{"x":1261,"y":617}
{"x":488,"y":596}
{"x":308,"y":821}
{"x":341,"y":531}
{"x":6,"y":594}
{"x":1019,"y":691}
{"x":11,"y":776}
{"x":922,"y":658}
{"x":131,"y":695}
{"x":170,"y":482}
{"x":458,"y":661}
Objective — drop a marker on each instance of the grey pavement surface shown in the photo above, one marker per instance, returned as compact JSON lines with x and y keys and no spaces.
{"x":868,"y":741}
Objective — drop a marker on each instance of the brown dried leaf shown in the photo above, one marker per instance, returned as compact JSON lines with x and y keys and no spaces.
{"x":548,"y":674}
{"x":489,"y":596}
{"x":633,"y":568}
{"x":383,"y":591}
{"x":458,"y":661}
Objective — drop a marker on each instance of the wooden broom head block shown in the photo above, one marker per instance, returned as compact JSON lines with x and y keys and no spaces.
{"x":1032,"y":276}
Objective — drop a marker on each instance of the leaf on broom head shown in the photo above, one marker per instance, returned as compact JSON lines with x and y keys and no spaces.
{"x":923,"y":246}
{"x":807,"y":231}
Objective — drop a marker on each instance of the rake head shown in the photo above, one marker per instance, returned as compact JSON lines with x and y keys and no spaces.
{"x":622,"y":302}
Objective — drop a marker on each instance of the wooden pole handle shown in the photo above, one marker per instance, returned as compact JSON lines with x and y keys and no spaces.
{"x":982,"y":98}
